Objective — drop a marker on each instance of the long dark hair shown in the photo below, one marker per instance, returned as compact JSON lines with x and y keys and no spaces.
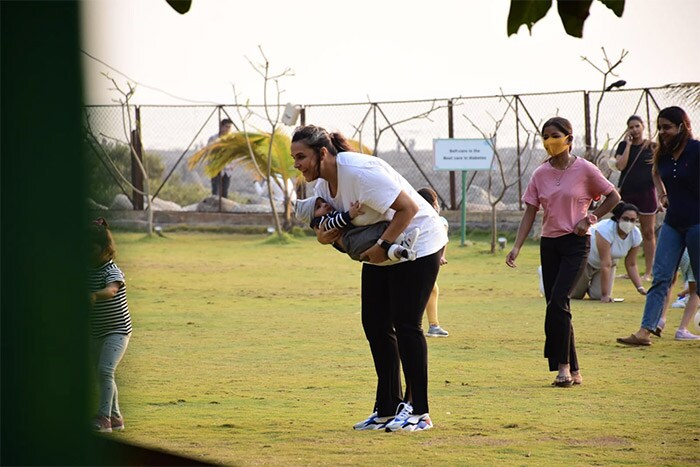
{"x":679,"y":117}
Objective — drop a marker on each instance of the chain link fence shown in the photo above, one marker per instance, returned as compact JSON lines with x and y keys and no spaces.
{"x":401,"y":133}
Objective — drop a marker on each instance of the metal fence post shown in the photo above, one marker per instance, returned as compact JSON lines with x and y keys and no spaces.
{"x":374,"y":118}
{"x":136,"y":174}
{"x":451,"y":134}
{"x":517,"y":143}
{"x":646,"y":94}
{"x":587,"y":119}
{"x":302,"y":116}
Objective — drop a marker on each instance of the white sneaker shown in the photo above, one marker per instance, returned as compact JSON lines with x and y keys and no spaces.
{"x":373,"y":423}
{"x":436,"y":331}
{"x":418,"y":423}
{"x":685,"y":335}
{"x":409,"y":240}
{"x":401,"y":253}
{"x":403,"y":412}
{"x":406,"y":421}
{"x":681,"y":302}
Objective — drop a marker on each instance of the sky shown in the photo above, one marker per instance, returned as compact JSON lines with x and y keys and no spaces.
{"x":373,"y":50}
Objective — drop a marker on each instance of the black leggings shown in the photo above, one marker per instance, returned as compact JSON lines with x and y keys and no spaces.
{"x":393,"y":300}
{"x":563,"y":261}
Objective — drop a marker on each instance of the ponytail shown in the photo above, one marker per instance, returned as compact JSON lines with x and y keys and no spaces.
{"x":316,"y":138}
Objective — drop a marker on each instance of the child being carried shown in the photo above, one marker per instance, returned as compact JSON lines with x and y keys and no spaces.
{"x":355,"y":240}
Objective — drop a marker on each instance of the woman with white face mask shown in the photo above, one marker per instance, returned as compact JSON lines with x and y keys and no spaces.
{"x":611,"y":239}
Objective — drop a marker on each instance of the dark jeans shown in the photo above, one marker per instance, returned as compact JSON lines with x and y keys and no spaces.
{"x":563,"y":261}
{"x":393,"y":300}
{"x":221,"y":179}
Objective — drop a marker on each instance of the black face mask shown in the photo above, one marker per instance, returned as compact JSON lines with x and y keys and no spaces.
{"x":676,"y":142}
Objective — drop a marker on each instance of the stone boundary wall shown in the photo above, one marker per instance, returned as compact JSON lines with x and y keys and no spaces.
{"x":508,"y":221}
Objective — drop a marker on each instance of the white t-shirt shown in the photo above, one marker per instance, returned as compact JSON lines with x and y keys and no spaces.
{"x":619,"y":247}
{"x":376,"y":185}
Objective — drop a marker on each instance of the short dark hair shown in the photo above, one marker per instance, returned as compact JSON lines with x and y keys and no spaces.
{"x":226,"y":121}
{"x":621,"y":208}
{"x":429,"y":195}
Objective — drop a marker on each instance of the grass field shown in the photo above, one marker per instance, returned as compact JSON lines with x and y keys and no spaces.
{"x":248,"y":352}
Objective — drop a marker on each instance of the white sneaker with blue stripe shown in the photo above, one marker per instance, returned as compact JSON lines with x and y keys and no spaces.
{"x":373,"y":422}
{"x":406,"y":421}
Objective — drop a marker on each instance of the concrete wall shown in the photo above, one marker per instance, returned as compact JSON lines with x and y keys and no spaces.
{"x":507,"y":221}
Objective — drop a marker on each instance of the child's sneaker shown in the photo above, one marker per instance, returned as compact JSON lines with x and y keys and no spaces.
{"x":117,"y":423}
{"x":436,"y":331}
{"x":102,"y":424}
{"x":373,"y":423}
{"x":399,"y":253}
{"x":685,"y":335}
{"x":409,"y":240}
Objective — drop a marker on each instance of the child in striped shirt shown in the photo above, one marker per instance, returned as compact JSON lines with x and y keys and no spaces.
{"x":111,"y":323}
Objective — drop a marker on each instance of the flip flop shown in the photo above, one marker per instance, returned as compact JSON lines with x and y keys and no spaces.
{"x":634,"y":340}
{"x":563,"y":381}
{"x":576,"y":378}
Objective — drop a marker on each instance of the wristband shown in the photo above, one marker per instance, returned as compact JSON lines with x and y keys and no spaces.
{"x":384,"y":244}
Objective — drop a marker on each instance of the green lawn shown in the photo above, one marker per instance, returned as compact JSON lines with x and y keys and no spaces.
{"x":248,"y":352}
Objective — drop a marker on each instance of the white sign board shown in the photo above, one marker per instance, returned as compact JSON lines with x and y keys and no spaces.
{"x":462,"y":154}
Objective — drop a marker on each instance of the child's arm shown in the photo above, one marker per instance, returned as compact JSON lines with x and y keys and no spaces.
{"x":335,"y":220}
{"x":108,"y":292}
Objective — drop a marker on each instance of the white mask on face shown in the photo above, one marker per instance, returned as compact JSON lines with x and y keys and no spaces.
{"x":626,"y":226}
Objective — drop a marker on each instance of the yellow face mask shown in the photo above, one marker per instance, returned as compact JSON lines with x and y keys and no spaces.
{"x":556,"y":146}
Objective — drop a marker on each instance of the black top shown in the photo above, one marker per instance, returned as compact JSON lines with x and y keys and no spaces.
{"x":682,"y":181}
{"x":636,"y":176}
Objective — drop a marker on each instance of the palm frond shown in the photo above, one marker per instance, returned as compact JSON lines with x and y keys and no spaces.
{"x":687,"y":93}
{"x":234,"y":147}
{"x":357,"y":147}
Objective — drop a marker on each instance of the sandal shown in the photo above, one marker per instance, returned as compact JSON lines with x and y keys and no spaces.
{"x":576,"y":378}
{"x":563,"y":381}
{"x":633,"y":340}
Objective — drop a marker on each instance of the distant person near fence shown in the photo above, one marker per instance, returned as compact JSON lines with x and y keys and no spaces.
{"x":222,"y":181}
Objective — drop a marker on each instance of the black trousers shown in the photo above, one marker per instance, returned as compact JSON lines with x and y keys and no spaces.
{"x":221,"y":180}
{"x":393,"y":301}
{"x":563,"y":260}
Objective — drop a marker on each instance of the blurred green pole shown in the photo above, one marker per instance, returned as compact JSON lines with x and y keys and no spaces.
{"x":464,"y":206}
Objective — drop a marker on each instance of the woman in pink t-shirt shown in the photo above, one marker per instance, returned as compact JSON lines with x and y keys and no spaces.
{"x":564,"y":186}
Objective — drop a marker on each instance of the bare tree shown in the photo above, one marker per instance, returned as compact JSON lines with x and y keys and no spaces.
{"x":379,"y":131}
{"x":595,"y":153}
{"x":267,"y":154}
{"x":497,"y":190}
{"x":132,"y":136}
{"x":273,"y":119}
